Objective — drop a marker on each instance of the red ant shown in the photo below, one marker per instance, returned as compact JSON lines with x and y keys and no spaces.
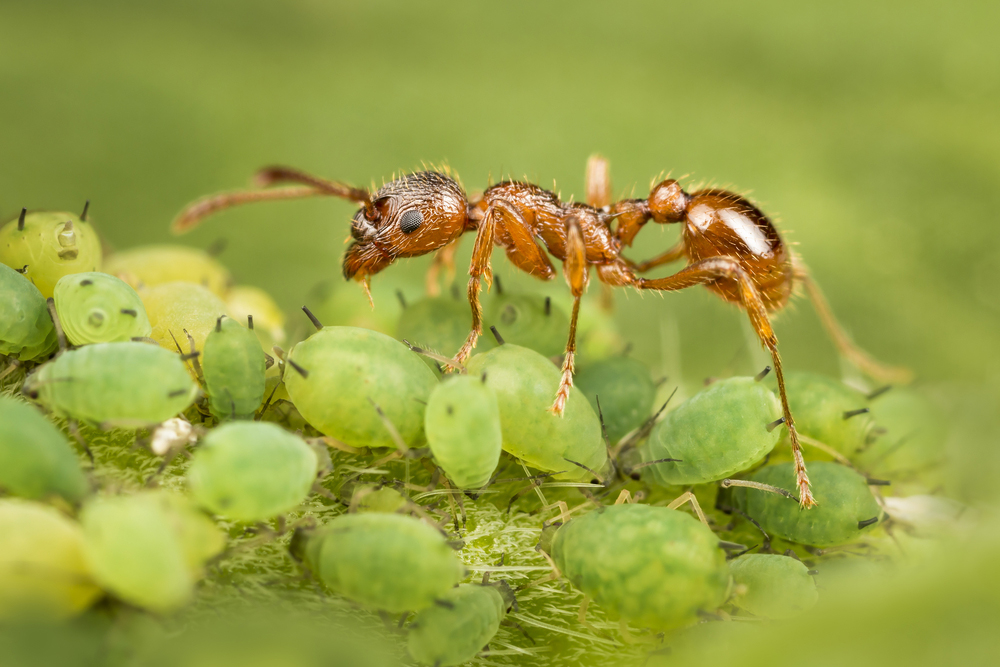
{"x":730,"y":246}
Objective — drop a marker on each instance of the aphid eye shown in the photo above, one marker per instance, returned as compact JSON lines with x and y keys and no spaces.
{"x":410,"y":221}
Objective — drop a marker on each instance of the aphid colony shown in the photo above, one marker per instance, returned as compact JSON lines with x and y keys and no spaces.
{"x":371,"y":466}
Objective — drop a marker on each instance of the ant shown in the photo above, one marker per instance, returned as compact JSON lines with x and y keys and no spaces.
{"x":731,"y":247}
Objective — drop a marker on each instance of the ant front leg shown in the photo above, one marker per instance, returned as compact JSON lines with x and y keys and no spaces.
{"x":479,"y":267}
{"x":711,"y":270}
{"x":577,"y":274}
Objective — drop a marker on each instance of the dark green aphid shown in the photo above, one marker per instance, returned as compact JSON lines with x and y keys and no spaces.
{"x":234,"y":366}
{"x":772,"y":586}
{"x":455,"y":629}
{"x":653,"y":566}
{"x":337,"y":373}
{"x":391,"y":562}
{"x":49,"y":245}
{"x":36,"y":461}
{"x":251,"y":471}
{"x":462,"y":423}
{"x":42,"y":567}
{"x":26,"y":329}
{"x":525,"y":382}
{"x":847,"y":509}
{"x":116,"y":384}
{"x":625,"y":389}
{"x":528,"y":320}
{"x":721,"y":430}
{"x":440,"y":324}
{"x":99,"y":308}
{"x":829,"y":411}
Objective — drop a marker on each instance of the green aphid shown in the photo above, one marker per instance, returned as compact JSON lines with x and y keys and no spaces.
{"x":99,"y":308}
{"x":528,"y":320}
{"x":337,"y":374}
{"x":455,"y":629}
{"x":525,"y":382}
{"x":829,"y":411}
{"x":178,"y":309}
{"x":440,"y":324}
{"x":127,"y":385}
{"x":143,"y":550}
{"x":624,"y":388}
{"x":462,"y":423}
{"x":251,"y":471}
{"x":245,"y":302}
{"x":652,"y":566}
{"x":48,"y":245}
{"x":42,"y":568}
{"x":772,"y":586}
{"x":914,"y":435}
{"x":234,"y":367}
{"x":163,"y":263}
{"x":391,"y":562}
{"x":368,"y":498}
{"x":721,"y":430}
{"x":847,"y":509}
{"x":26,"y":329}
{"x":36,"y":461}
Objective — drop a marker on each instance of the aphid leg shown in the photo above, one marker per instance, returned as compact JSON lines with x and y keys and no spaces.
{"x":688,"y":497}
{"x":581,"y":616}
{"x":624,"y":632}
{"x":710,"y":270}
{"x":391,"y":428}
{"x":624,"y":497}
{"x":445,"y":257}
{"x":868,"y":364}
{"x":74,"y":430}
{"x":13,"y":366}
{"x":193,"y":354}
{"x":479,"y":267}
{"x":826,"y":449}
{"x":577,"y":274}
{"x":51,"y":303}
{"x":760,"y":486}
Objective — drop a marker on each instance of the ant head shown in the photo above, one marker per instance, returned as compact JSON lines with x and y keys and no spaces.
{"x":410,"y":216}
{"x":668,"y":202}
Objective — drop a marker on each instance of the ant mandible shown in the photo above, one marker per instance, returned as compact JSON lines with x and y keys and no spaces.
{"x":730,"y":246}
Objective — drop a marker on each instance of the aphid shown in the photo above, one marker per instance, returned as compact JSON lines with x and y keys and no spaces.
{"x":338,"y":372}
{"x":344,"y":306}
{"x":42,"y":567}
{"x":730,"y":245}
{"x":721,"y":430}
{"x":847,"y":507}
{"x":462,"y":423}
{"x":145,"y":550}
{"x":368,"y":498}
{"x":244,"y":301}
{"x":914,"y":437}
{"x":99,"y":308}
{"x":390,"y":562}
{"x":26,"y":329}
{"x":653,"y":566}
{"x":828,"y":411}
{"x":455,"y":629}
{"x":523,"y":381}
{"x":47,"y":245}
{"x":233,"y":364}
{"x":528,"y":320}
{"x":434,"y":323}
{"x":127,"y":385}
{"x":36,"y":461}
{"x":624,"y":388}
{"x":251,"y":471}
{"x":147,"y":266}
{"x":772,"y":586}
{"x":179,"y":308}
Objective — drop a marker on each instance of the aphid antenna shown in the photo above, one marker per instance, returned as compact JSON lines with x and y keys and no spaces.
{"x":194,"y":350}
{"x":313,"y":318}
{"x":20,"y":219}
{"x":51,"y":304}
{"x":878,"y":392}
{"x":732,"y":546}
{"x":644,"y":430}
{"x":741,"y":553}
{"x":600,"y":480}
{"x":281,"y":379}
{"x":86,"y":208}
{"x":854,"y":413}
{"x":390,"y":427}
{"x":647,"y":464}
{"x":496,"y":334}
{"x":763,"y":374}
{"x":826,"y":449}
{"x":760,"y":486}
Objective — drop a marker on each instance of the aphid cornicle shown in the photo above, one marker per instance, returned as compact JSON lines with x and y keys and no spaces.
{"x":730,"y":245}
{"x":234,"y":367}
{"x":26,"y":329}
{"x":99,"y":308}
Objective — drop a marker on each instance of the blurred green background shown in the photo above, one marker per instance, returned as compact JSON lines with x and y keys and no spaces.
{"x":868,"y":129}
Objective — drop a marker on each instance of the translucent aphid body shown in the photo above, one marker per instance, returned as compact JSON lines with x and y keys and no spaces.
{"x":772,"y":585}
{"x":455,"y":630}
{"x":338,"y":372}
{"x":48,"y":245}
{"x":158,"y":264}
{"x":528,"y":320}
{"x":829,"y":411}
{"x":178,"y":307}
{"x":233,"y":364}
{"x":129,"y":385}
{"x":26,"y":329}
{"x":652,"y":566}
{"x":251,"y":471}
{"x":436,"y":323}
{"x":391,"y":562}
{"x":462,"y":423}
{"x":99,"y":308}
{"x":847,"y":509}
{"x":524,"y":382}
{"x":244,"y":301}
{"x":721,"y":430}
{"x":36,"y":461}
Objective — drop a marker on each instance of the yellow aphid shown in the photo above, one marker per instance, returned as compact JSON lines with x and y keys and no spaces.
{"x":158,"y":264}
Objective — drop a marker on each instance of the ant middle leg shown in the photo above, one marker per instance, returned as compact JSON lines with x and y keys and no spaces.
{"x":577,"y":273}
{"x":708,"y":271}
{"x":672,"y":254}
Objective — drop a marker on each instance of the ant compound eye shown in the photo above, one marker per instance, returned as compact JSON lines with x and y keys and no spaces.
{"x":410,"y":221}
